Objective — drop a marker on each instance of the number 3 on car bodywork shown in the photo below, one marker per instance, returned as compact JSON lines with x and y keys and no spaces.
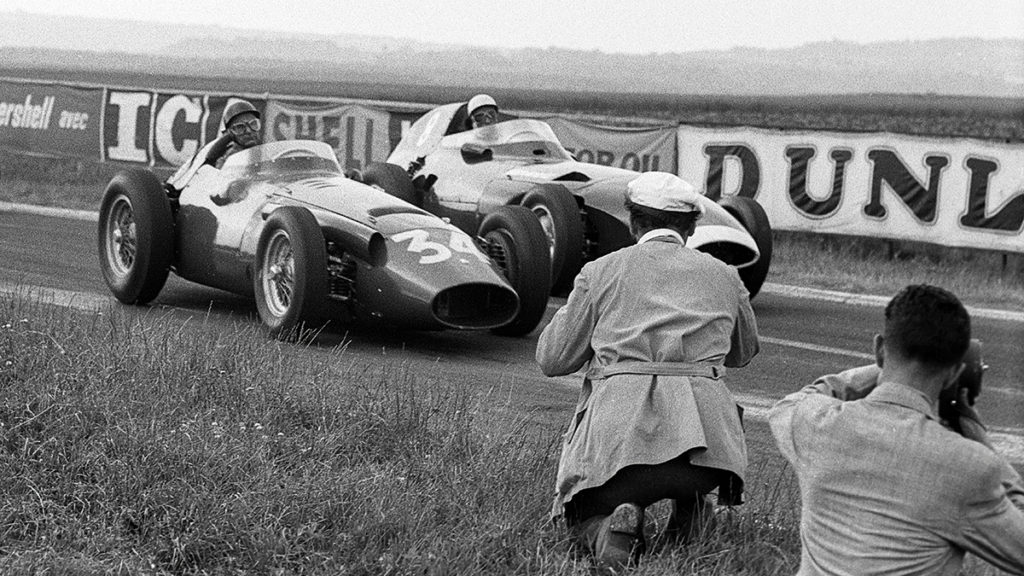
{"x":433,"y":252}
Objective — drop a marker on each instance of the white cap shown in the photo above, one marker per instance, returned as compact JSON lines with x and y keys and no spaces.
{"x":663,"y":191}
{"x":479,"y":101}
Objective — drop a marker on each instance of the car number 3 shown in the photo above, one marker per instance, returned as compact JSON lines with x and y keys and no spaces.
{"x":434,"y":252}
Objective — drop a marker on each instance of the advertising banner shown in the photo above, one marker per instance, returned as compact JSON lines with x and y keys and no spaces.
{"x":160,"y":128}
{"x":50,"y":119}
{"x":953,"y":192}
{"x":398,"y":124}
{"x":639,"y":149}
{"x":359,"y":135}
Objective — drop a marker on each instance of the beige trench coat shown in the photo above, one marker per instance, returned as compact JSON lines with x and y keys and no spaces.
{"x":655,"y":322}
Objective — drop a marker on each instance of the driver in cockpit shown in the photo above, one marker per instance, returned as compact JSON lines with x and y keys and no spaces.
{"x":482,"y":111}
{"x":240,"y":129}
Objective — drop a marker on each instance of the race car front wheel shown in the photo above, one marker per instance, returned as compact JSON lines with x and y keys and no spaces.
{"x":290,"y":280}
{"x":514,"y":239}
{"x":559,"y":216}
{"x":751,"y":215}
{"x":136,"y":236}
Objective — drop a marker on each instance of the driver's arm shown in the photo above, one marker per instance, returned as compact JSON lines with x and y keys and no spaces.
{"x":218,"y":148}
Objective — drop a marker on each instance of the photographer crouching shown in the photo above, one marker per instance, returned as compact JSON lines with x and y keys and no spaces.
{"x":655,"y":323}
{"x":886,"y":486}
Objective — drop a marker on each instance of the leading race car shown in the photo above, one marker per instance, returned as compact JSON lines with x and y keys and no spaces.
{"x":282,"y":223}
{"x":465,"y":174}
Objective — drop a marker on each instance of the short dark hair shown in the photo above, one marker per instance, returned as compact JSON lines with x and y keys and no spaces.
{"x":927,"y":324}
{"x":642,"y":218}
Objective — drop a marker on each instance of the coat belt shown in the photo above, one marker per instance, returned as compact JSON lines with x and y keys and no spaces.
{"x":715,"y":371}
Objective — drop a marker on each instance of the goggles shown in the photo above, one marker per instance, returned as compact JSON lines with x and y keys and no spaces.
{"x":239,"y":128}
{"x":486,"y":115}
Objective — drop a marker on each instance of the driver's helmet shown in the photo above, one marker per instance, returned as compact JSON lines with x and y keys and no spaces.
{"x":479,"y":101}
{"x":234,"y":109}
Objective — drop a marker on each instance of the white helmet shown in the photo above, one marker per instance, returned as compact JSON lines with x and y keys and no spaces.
{"x":479,"y":101}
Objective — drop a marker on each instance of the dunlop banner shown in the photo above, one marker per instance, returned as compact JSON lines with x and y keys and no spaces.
{"x":359,"y":135}
{"x":639,"y":149}
{"x":50,"y":119}
{"x":953,"y":192}
{"x":160,"y":128}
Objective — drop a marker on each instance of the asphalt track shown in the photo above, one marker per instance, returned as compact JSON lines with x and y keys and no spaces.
{"x":804,"y":332}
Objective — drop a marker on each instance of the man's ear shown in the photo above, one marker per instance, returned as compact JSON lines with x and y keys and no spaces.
{"x":880,"y":350}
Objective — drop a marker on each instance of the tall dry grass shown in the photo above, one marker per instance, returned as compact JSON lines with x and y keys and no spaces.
{"x":137,"y":443}
{"x":147,"y":444}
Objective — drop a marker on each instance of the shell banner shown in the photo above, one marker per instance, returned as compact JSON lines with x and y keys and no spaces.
{"x":358,"y":134}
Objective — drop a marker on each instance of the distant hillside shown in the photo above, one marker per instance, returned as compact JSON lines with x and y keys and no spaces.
{"x":969,"y":67}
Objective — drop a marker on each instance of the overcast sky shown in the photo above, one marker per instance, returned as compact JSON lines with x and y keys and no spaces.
{"x":632,"y":26}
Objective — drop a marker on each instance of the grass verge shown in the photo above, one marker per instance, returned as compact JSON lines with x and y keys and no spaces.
{"x":880,"y":267}
{"x":149,"y":444}
{"x":136,"y":444}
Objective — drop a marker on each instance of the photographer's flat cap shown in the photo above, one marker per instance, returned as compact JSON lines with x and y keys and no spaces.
{"x":663,"y":191}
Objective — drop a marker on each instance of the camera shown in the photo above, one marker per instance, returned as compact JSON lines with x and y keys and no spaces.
{"x":970,"y":379}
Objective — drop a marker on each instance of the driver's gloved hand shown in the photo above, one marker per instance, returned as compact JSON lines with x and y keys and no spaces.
{"x":415,"y":166}
{"x":172,"y":192}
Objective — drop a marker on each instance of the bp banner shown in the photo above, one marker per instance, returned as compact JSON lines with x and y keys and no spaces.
{"x":50,"y":119}
{"x":160,"y":128}
{"x":953,"y":192}
{"x":639,"y":149}
{"x":359,"y":135}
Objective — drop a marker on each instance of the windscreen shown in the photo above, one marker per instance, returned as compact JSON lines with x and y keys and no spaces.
{"x":284,"y":157}
{"x":521,"y":137}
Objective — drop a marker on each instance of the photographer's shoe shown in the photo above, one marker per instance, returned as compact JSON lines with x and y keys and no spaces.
{"x":621,"y":537}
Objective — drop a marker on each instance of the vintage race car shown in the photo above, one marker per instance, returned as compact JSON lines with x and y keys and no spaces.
{"x":465,"y":174}
{"x":282,"y":223}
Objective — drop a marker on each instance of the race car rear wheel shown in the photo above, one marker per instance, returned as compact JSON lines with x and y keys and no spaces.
{"x":751,"y":215}
{"x":559,"y":216}
{"x":290,"y":280}
{"x":392,"y":179}
{"x":136,"y":236}
{"x":514,"y":238}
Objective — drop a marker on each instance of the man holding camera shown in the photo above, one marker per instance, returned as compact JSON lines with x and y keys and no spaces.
{"x":886,"y":487}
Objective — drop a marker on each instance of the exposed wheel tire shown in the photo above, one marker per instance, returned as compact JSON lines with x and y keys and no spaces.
{"x":751,"y":215}
{"x":136,"y":236}
{"x":392,"y":179}
{"x":290,"y":279}
{"x":514,"y":238}
{"x":559,"y":216}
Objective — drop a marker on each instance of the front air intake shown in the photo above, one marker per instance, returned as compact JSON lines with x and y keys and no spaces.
{"x":731,"y":253}
{"x":475,"y":306}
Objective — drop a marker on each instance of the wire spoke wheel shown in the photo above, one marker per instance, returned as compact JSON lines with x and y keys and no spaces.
{"x":547,"y":222}
{"x":279,"y":273}
{"x":561,"y":222}
{"x":290,"y":282}
{"x":122,"y":242}
{"x":516,"y":242}
{"x":135,"y":236}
